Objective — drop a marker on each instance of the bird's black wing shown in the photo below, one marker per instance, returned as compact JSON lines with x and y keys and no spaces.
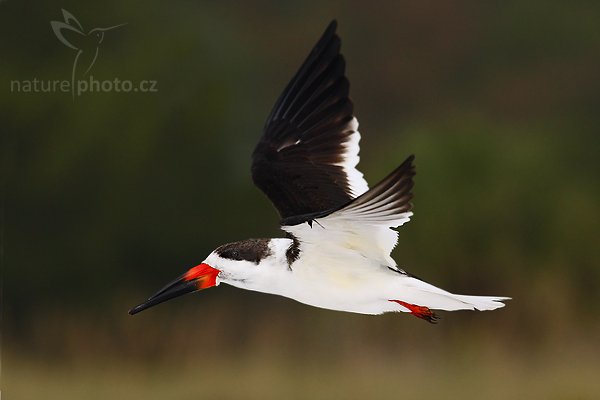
{"x":305,"y":161}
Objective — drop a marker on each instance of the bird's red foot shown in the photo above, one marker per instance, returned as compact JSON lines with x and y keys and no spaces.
{"x":419,"y":311}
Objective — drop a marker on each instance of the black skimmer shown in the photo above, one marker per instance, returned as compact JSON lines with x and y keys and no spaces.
{"x":339,"y":236}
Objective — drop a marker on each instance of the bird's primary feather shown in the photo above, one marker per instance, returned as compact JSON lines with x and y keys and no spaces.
{"x":305,"y":162}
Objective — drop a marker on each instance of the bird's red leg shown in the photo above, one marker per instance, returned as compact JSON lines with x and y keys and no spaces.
{"x":419,"y":311}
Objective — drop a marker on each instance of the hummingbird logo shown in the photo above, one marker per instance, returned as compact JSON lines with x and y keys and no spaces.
{"x":87,"y":45}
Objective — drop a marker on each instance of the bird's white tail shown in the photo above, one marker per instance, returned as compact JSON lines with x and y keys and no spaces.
{"x":418,"y":292}
{"x":482,"y":303}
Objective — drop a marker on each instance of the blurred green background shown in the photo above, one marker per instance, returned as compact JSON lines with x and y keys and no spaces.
{"x":110,"y":195}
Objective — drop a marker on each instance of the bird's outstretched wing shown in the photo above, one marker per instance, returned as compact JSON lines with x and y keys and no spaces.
{"x":364,"y":224}
{"x":305,"y":162}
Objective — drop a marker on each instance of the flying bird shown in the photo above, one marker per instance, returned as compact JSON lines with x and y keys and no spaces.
{"x":336,"y":251}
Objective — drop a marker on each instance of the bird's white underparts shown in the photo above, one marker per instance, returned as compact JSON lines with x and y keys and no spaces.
{"x":339,"y":233}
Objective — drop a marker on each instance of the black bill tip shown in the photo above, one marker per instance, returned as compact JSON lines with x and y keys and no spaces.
{"x":175,"y":289}
{"x":137,"y":309}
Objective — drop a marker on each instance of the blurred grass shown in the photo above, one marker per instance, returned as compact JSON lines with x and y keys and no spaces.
{"x":475,"y":373}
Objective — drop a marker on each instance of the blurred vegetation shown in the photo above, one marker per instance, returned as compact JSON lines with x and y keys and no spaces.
{"x":109,"y":196}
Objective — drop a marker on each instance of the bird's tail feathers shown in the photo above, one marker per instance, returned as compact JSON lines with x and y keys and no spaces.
{"x":482,"y":303}
{"x":421,"y":293}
